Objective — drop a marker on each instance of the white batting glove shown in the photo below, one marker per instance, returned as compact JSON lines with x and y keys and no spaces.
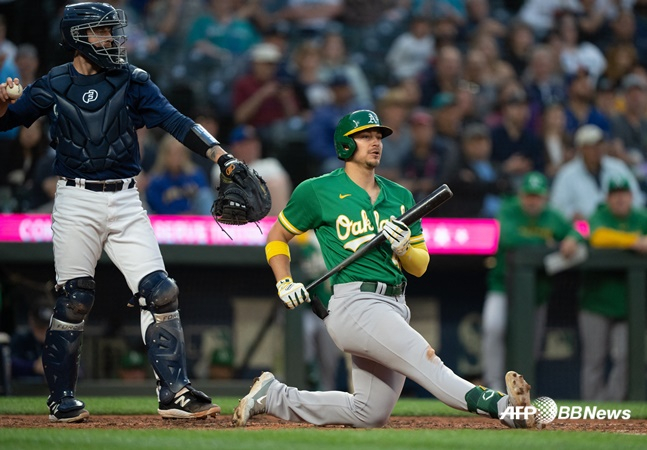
{"x":292,"y":294}
{"x":398,"y":234}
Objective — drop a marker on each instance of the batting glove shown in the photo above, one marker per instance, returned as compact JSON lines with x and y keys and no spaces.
{"x":398,"y":234}
{"x":292,"y":294}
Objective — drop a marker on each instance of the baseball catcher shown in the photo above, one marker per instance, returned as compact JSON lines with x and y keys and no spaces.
{"x":95,"y":105}
{"x":243,"y":195}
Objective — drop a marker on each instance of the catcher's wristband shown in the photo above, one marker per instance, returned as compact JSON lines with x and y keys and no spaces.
{"x":224,"y":161}
{"x":276,"y":248}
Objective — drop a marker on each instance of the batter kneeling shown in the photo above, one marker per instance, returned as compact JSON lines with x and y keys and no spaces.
{"x":368,"y":315}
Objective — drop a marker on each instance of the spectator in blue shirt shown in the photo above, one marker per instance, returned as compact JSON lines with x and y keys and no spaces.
{"x":580,"y":109}
{"x":27,"y":343}
{"x":321,"y":127}
{"x":514,"y":146}
{"x":177,"y":186}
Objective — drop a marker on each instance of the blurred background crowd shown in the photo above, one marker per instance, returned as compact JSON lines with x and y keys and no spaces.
{"x":478,"y":92}
{"x":480,"y":95}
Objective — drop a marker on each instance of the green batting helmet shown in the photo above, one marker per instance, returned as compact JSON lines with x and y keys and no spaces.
{"x":353,"y":123}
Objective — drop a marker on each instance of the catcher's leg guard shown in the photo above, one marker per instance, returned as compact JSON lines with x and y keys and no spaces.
{"x":62,"y":348}
{"x":164,"y":338}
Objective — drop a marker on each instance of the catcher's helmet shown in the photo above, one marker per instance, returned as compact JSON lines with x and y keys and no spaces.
{"x":353,"y":123}
{"x":78,"y":22}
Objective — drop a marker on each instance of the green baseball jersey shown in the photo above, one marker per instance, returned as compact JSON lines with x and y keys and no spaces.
{"x":518,"y":230}
{"x":312,"y":266}
{"x":343,"y":217}
{"x":605,"y":292}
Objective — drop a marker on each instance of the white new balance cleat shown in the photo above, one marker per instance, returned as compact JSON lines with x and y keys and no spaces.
{"x":254,"y":402}
{"x":518,"y":395}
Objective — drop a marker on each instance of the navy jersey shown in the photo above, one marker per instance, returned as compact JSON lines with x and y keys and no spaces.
{"x":93,"y":119}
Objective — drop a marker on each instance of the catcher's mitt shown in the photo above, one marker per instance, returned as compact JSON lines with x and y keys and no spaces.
{"x":243,"y":195}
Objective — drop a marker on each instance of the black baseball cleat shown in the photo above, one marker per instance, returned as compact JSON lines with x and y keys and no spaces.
{"x":189,"y":403}
{"x":67,"y":410}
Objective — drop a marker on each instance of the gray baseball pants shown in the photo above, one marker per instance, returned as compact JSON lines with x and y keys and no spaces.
{"x":602,"y":337}
{"x":385,"y":350}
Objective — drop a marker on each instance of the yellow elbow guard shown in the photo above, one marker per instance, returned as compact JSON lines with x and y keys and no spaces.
{"x":415,"y":261}
{"x":276,"y":248}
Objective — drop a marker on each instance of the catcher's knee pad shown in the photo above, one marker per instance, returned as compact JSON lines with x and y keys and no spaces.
{"x":75,"y":300}
{"x":160,"y":292}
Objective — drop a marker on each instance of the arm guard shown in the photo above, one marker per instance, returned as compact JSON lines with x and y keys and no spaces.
{"x":199,"y":140}
{"x":415,"y":260}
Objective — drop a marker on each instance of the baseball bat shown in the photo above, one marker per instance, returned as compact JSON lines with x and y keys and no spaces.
{"x":418,"y":211}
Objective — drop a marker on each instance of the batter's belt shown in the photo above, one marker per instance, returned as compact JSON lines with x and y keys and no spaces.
{"x":381,"y":288}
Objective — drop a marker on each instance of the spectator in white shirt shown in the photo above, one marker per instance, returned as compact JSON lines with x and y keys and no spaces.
{"x":580,"y":185}
{"x":577,"y":55}
{"x":412,"y":50}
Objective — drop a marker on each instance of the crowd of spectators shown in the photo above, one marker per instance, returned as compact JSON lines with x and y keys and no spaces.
{"x":478,"y":92}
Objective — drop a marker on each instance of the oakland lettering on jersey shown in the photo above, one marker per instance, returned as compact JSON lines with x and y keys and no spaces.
{"x":347,"y":227}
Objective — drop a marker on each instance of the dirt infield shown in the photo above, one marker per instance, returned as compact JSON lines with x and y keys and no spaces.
{"x":268,"y":422}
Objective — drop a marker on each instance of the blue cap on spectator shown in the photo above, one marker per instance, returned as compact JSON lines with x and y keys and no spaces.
{"x":278,"y":28}
{"x":605,"y":85}
{"x":339,"y":79}
{"x":241,"y":133}
{"x":443,"y":99}
{"x":579,"y":73}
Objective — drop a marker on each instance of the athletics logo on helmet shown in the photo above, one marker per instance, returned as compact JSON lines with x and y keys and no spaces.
{"x":79,"y":22}
{"x":352,"y":123}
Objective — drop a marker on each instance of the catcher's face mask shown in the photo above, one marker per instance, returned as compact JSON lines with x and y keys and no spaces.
{"x":97,"y":31}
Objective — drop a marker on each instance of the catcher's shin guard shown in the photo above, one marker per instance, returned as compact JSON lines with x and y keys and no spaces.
{"x":165,"y":342}
{"x":61,"y":354}
{"x":164,"y":338}
{"x":62,"y":348}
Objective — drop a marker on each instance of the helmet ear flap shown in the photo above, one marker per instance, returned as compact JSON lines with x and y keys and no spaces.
{"x":345,"y":146}
{"x":353,"y":123}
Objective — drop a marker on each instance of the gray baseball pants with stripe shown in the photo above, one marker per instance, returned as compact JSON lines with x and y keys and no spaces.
{"x":385,"y":350}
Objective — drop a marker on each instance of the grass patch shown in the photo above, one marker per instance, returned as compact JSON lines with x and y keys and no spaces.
{"x":309,"y":438}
